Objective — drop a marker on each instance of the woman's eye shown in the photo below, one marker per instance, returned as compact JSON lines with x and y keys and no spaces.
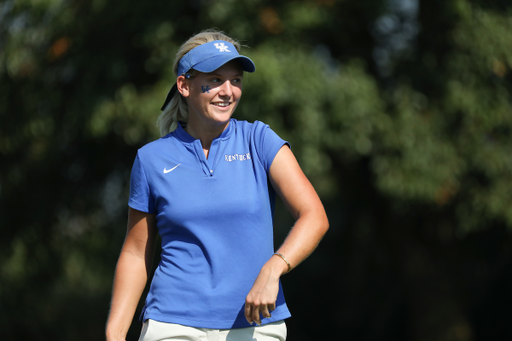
{"x":215,"y":80}
{"x":237,"y":80}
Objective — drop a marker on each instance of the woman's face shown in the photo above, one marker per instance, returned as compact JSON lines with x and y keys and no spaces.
{"x":212,"y":97}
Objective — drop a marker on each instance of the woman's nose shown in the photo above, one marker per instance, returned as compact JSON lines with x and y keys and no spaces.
{"x":226,"y":89}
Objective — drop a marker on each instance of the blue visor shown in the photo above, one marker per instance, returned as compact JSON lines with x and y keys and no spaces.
{"x":210,"y":56}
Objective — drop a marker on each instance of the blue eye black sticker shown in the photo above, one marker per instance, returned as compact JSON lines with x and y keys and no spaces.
{"x":205,"y":89}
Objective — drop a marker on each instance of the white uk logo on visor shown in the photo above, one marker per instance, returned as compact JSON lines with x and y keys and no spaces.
{"x":221,"y":47}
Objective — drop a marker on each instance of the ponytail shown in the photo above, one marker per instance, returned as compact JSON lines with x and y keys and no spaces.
{"x":175,"y":111}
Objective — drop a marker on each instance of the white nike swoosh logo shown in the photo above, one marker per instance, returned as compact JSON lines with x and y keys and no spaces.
{"x":170,"y":170}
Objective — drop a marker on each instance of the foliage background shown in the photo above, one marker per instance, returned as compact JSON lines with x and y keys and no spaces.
{"x":399,"y":112}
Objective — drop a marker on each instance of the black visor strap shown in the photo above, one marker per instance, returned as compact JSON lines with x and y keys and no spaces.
{"x":169,"y":96}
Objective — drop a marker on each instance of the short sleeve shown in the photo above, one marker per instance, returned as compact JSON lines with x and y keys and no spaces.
{"x":140,"y":194}
{"x":268,"y":143}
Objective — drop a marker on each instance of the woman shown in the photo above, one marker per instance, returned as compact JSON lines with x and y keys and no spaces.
{"x":204,"y":187}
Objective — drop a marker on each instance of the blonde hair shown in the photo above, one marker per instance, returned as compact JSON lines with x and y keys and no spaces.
{"x":177,"y":109}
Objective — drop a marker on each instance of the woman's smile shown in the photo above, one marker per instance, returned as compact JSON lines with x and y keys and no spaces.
{"x":222,"y":104}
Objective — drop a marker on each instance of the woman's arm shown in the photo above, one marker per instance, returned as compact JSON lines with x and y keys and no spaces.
{"x":311,"y":224}
{"x":132,"y":272}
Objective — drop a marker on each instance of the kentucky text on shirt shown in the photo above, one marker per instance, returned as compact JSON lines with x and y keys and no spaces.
{"x":237,"y":157}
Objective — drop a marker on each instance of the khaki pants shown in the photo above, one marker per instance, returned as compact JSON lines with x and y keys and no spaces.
{"x":160,"y":331}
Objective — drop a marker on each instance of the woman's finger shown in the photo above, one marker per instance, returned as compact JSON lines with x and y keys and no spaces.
{"x":256,"y":315}
{"x":248,"y":313}
{"x":265,"y":311}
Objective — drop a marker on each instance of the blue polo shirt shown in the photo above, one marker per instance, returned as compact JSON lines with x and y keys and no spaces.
{"x":215,"y":218}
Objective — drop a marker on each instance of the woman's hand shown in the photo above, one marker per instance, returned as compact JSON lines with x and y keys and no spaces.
{"x":261,"y":300}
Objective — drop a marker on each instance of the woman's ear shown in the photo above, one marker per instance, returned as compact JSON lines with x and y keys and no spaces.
{"x":183,"y":86}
